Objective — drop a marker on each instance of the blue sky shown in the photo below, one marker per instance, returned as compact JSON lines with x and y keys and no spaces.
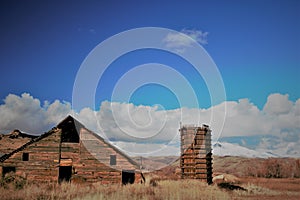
{"x":255,"y":45}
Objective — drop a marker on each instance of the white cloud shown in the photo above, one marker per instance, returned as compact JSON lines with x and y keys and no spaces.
{"x":278,"y":104}
{"x":199,"y":36}
{"x":151,"y":129}
{"x":27,"y":114}
{"x":56,"y":111}
{"x":154,"y":149}
{"x":180,"y":41}
{"x":297,"y":108}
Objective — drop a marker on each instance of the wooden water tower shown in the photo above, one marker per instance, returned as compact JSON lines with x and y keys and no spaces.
{"x":196,"y":153}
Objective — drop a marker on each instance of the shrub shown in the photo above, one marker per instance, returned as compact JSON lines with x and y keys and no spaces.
{"x":13,"y":180}
{"x":275,"y":168}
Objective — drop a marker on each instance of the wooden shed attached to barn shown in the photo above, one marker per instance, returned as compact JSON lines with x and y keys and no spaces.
{"x":70,"y":152}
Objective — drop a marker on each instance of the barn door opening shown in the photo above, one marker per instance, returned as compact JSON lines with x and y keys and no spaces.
{"x":6,"y":170}
{"x":65,"y":173}
{"x":128,"y":176}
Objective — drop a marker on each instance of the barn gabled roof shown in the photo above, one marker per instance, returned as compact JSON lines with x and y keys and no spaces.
{"x":67,"y":124}
{"x":71,"y":121}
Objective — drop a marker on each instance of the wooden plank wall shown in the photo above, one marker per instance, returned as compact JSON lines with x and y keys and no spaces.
{"x":90,"y":160}
{"x":43,"y":159}
{"x":95,"y":151}
{"x":196,"y":157}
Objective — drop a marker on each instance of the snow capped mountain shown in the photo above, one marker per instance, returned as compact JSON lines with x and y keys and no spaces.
{"x":291,"y":149}
{"x":259,"y":145}
{"x":229,"y":149}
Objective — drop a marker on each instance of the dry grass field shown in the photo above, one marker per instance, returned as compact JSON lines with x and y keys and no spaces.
{"x":256,"y":188}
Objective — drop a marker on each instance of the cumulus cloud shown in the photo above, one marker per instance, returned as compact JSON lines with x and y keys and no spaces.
{"x":148,"y":129}
{"x":278,"y":104}
{"x":27,"y":114}
{"x":180,"y":41}
{"x":56,"y":111}
{"x":127,"y":122}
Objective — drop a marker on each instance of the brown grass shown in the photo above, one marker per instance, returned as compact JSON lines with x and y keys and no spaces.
{"x":258,"y":167}
{"x":257,"y":188}
{"x":238,"y":166}
{"x":165,"y":189}
{"x":283,"y":184}
{"x":269,"y":188}
{"x":166,"y":184}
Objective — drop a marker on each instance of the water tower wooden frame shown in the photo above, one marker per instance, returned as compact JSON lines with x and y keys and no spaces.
{"x":196,"y":153}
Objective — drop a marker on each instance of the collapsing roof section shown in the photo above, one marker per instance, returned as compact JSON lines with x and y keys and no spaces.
{"x":6,"y":156}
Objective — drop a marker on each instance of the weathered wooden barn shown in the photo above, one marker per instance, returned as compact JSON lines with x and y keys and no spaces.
{"x":196,"y":153}
{"x":70,"y":152}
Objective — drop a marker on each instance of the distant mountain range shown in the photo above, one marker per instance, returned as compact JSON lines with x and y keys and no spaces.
{"x":231,"y":149}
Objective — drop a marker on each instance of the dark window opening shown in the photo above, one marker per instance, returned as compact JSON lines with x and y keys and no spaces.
{"x":69,"y":130}
{"x":113,"y":160}
{"x":6,"y":170}
{"x":128,"y":176}
{"x":65,"y":173}
{"x":25,"y":156}
{"x":70,"y":136}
